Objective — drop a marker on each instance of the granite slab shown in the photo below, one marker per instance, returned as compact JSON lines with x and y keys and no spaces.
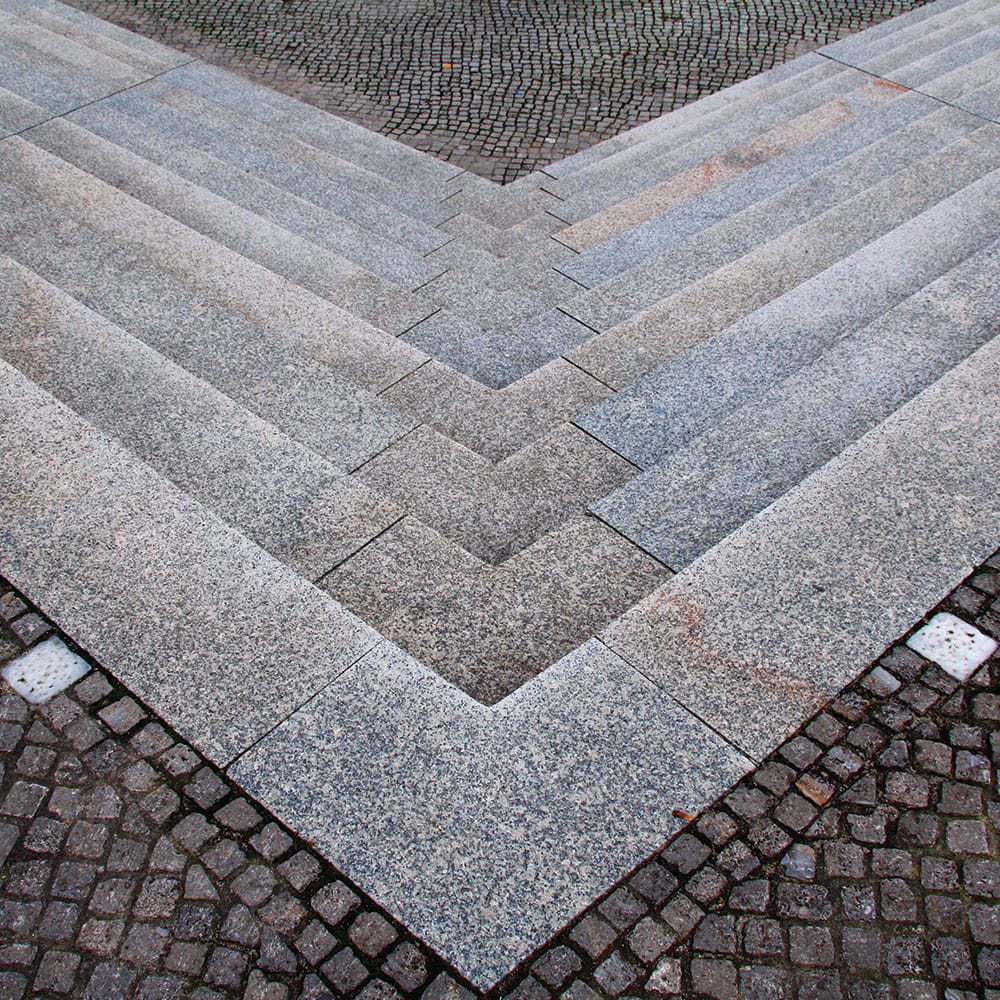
{"x":302,"y":397}
{"x":907,"y":509}
{"x":489,"y":629}
{"x":708,"y":306}
{"x":536,"y":794}
{"x":721,"y":479}
{"x":221,"y":637}
{"x":670,"y":406}
{"x":279,"y":494}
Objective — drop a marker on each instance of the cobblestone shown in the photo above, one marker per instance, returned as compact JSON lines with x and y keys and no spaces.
{"x":887,"y":886}
{"x":500,"y":89}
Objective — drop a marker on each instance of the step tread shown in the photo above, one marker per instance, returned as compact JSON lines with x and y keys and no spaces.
{"x":782,"y":432}
{"x":189,"y":614}
{"x":276,"y":492}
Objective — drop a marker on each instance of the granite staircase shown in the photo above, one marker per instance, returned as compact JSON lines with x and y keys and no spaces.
{"x":277,"y":393}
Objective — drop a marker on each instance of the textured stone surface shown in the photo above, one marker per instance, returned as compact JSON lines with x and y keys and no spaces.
{"x":803,"y":577}
{"x":222,"y":698}
{"x":557,"y":754}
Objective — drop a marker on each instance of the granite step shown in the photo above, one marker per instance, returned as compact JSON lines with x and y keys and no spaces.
{"x":903,"y":512}
{"x":241,"y":186}
{"x":328,"y":275}
{"x":419,"y":199}
{"x":493,"y":510}
{"x":61,"y":18}
{"x":886,"y":128}
{"x":181,"y":117}
{"x":40,"y":45}
{"x":683,"y":120}
{"x":490,"y":629}
{"x":290,"y":313}
{"x":375,"y":153}
{"x":307,"y":401}
{"x":669,"y":407}
{"x":276,"y":492}
{"x":496,"y":354}
{"x":495,"y":423}
{"x":632,"y":171}
{"x":758,"y":451}
{"x":100,"y":37}
{"x":922,"y":26}
{"x":188,"y":613}
{"x":55,"y":86}
{"x":719,"y":237}
{"x":17,"y":113}
{"x":702,"y":309}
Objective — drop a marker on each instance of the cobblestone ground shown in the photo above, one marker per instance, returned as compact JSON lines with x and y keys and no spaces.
{"x":858,"y":862}
{"x":496,"y":87}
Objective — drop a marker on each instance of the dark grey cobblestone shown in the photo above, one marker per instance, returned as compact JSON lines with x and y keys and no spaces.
{"x":498,"y":88}
{"x":115,"y":882}
{"x":858,"y":862}
{"x":889,"y":886}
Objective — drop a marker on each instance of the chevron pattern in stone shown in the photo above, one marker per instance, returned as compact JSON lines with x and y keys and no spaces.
{"x":373,"y":477}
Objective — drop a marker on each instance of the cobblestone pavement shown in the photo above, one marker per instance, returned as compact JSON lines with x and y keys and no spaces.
{"x":859,"y":861}
{"x":498,"y":88}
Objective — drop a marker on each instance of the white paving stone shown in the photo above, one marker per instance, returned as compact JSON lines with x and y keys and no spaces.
{"x":45,"y":671}
{"x":957,"y":647}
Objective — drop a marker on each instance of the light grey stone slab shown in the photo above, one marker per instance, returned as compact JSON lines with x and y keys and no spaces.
{"x":56,"y":87}
{"x":701,"y":114}
{"x":218,"y":636}
{"x":925,"y":27}
{"x":702,"y":492}
{"x":710,"y":235}
{"x":289,"y":501}
{"x":675,"y":403}
{"x":259,"y":197}
{"x":630,"y":172}
{"x":877,"y":132}
{"x":62,"y":18}
{"x":497,"y":356}
{"x":17,"y":114}
{"x":182,"y":115}
{"x":904,"y":513}
{"x":376,"y":153}
{"x":702,"y":310}
{"x":40,"y":44}
{"x":287,"y":311}
{"x":297,"y":394}
{"x":553,"y":794}
{"x":495,"y":423}
{"x":282,"y":251}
